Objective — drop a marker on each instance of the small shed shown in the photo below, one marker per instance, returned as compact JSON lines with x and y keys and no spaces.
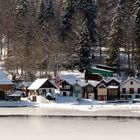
{"x":102,"y":92}
{"x":90,"y":90}
{"x":78,"y":88}
{"x":113,"y":89}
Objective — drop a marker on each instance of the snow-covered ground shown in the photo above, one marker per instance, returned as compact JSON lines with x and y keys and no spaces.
{"x":68,"y":106}
{"x":71,"y":103}
{"x":87,"y":105}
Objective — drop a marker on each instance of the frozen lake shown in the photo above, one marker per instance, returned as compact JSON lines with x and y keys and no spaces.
{"x":47,"y":128}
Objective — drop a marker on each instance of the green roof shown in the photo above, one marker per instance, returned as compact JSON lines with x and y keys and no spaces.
{"x":103,"y":72}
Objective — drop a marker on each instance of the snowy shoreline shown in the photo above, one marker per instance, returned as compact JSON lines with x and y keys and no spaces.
{"x":26,"y":109}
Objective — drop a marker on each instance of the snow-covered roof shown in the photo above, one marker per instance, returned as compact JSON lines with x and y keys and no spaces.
{"x":18,"y":92}
{"x":5,"y":82}
{"x":129,"y":79}
{"x":81,"y":83}
{"x":70,"y":81}
{"x":2,"y":75}
{"x":14,"y":95}
{"x":3,"y":79}
{"x":93,"y":83}
{"x":27,"y":84}
{"x":114,"y":78}
{"x":69,"y":76}
{"x":37,"y":84}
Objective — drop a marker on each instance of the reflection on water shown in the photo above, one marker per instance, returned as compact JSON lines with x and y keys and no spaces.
{"x":47,"y":128}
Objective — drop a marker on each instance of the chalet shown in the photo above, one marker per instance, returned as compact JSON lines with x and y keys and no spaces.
{"x":113,"y":89}
{"x":78,"y":88}
{"x":101,"y":91}
{"x":90,"y":90}
{"x":130,"y":89}
{"x":41,"y":87}
{"x":66,"y":87}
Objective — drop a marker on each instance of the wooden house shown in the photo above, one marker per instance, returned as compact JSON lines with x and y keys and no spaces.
{"x":101,"y":91}
{"x":41,"y":87}
{"x":5,"y":83}
{"x":113,"y":89}
{"x":78,"y":89}
{"x":66,"y":87}
{"x":130,"y":89}
{"x":90,"y":90}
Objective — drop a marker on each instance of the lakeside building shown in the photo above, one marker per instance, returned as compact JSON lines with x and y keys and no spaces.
{"x":130,"y":89}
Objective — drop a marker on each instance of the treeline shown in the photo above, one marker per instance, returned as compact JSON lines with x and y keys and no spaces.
{"x":45,"y":36}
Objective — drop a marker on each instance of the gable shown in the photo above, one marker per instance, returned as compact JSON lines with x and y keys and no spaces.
{"x":102,"y":82}
{"x":89,"y":87}
{"x":101,"y":86}
{"x":132,"y":82}
{"x":76,"y":85}
{"x":47,"y":84}
{"x":37,"y":84}
{"x":64,"y":83}
{"x":113,"y":82}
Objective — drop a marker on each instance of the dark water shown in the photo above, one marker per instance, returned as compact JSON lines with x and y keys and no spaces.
{"x":67,"y":128}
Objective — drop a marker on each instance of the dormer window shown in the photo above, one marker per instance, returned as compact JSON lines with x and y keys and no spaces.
{"x":131,"y":82}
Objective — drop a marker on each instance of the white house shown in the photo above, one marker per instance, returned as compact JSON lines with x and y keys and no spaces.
{"x":41,"y":87}
{"x":130,"y":89}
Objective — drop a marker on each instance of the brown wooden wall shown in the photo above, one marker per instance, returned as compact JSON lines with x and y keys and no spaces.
{"x":6,"y":87}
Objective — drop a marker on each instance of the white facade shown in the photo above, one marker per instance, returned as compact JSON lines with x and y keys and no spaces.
{"x":130,"y":89}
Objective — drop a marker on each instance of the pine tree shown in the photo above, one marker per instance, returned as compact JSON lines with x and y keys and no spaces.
{"x":116,"y":35}
{"x":137,"y":33}
{"x":45,"y":11}
{"x":88,"y":35}
{"x":68,"y":10}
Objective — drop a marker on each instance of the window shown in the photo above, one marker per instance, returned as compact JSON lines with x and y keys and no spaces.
{"x":137,"y":96}
{"x":50,"y":91}
{"x":131,"y":82}
{"x":44,"y":91}
{"x":131,"y":90}
{"x":138,"y":90}
{"x":129,"y":96}
{"x":123,"y":90}
{"x":113,"y":84}
{"x":122,"y":96}
{"x":66,"y":86}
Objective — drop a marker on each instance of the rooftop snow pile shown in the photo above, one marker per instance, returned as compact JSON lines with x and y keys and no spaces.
{"x":37,"y":84}
{"x":4,"y":79}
